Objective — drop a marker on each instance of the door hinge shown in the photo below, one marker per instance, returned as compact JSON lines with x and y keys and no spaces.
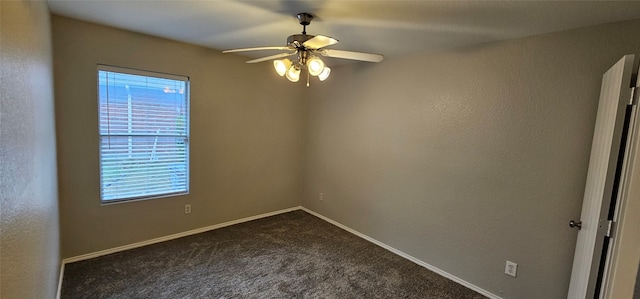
{"x":610,"y":226}
{"x":634,"y":96}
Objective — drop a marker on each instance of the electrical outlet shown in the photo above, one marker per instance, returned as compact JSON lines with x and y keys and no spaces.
{"x":321,"y":196}
{"x":187,"y":209}
{"x":511,"y":269}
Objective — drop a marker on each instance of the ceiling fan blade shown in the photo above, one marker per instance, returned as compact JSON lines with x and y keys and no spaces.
{"x":256,"y":49}
{"x":276,"y":56}
{"x":352,"y":55}
{"x":319,"y":41}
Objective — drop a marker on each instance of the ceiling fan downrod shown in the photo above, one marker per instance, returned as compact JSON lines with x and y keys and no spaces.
{"x":304,"y":19}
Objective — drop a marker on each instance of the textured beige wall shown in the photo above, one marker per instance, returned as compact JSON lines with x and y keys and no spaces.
{"x":30,"y":239}
{"x":467,"y":158}
{"x":245,"y":149}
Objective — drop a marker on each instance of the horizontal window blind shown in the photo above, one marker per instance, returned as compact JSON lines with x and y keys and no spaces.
{"x":144,"y":134}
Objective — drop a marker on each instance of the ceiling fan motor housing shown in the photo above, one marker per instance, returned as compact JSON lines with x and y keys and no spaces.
{"x":297,"y":40}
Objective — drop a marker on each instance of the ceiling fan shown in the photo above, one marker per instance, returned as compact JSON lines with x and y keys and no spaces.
{"x":306,"y":50}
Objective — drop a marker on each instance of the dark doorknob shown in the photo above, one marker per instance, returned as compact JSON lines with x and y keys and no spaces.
{"x":577,"y":224}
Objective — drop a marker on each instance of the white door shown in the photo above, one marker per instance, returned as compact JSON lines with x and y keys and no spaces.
{"x":624,"y":254}
{"x":615,"y":95}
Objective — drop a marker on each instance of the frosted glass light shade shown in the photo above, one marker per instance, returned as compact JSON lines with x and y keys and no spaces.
{"x":315,"y":66}
{"x":324,"y":74}
{"x":282,"y":66}
{"x":293,"y":74}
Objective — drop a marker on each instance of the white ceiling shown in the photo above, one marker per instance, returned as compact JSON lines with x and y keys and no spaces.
{"x":391,"y":27}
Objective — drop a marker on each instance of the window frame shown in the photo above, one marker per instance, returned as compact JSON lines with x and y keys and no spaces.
{"x":187,"y":137}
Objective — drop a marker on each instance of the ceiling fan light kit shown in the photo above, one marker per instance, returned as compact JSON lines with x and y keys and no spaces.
{"x":282,"y":66}
{"x":325,"y":74}
{"x":306,"y":49}
{"x":315,"y":66}
{"x":293,"y":73}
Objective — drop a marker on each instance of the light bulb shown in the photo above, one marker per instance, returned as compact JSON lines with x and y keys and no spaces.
{"x":293,"y":74}
{"x":325,"y":74}
{"x":315,"y":66}
{"x":282,"y":66}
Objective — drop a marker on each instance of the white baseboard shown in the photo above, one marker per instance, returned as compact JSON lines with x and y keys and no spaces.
{"x":60,"y":280}
{"x":406,"y":256}
{"x":171,"y":237}
{"x":221,"y":225}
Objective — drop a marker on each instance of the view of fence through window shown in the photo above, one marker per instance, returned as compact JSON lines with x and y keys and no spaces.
{"x":144,"y":135}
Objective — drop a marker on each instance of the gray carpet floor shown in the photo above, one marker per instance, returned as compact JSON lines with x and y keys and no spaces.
{"x":290,"y":255}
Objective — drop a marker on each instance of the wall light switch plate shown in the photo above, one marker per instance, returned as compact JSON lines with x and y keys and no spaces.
{"x":511,"y":269}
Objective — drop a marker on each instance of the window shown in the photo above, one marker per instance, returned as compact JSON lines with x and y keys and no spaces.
{"x":144,"y":134}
